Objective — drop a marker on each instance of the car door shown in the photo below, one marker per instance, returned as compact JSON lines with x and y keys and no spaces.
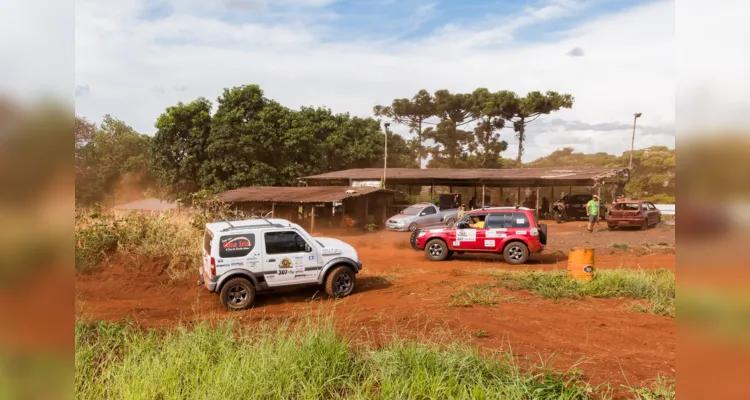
{"x":654,"y":213}
{"x":496,"y":232}
{"x":471,"y":239}
{"x":288,"y":258}
{"x":429,"y":217}
{"x":238,"y":251}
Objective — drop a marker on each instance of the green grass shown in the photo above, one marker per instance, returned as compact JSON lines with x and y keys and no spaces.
{"x":657,"y":287}
{"x":620,"y":245}
{"x":660,"y":389}
{"x":307,"y":360}
{"x":468,"y":297}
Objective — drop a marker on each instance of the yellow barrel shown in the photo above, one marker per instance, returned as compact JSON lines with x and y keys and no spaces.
{"x":581,"y":263}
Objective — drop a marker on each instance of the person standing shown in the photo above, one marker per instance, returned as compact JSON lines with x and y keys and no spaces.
{"x":592,"y":211}
{"x":461,"y":211}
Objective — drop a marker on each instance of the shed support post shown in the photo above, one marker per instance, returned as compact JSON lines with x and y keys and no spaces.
{"x":518,"y":198}
{"x":537,"y":201}
{"x":273,"y":210}
{"x":367,"y":204}
{"x":343,"y":213}
{"x":432,"y":191}
{"x":483,"y":195}
{"x":553,"y":194}
{"x":312,"y":220}
{"x":385,"y":210}
{"x":570,"y":190}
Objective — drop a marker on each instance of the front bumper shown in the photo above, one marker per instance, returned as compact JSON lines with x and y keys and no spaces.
{"x":396,"y":227}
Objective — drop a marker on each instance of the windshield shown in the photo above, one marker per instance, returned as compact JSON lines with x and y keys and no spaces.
{"x":411,"y":210}
{"x":626,"y":206}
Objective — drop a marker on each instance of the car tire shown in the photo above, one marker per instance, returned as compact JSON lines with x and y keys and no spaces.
{"x":340,"y":282}
{"x":412,"y":227}
{"x":612,"y":227}
{"x":516,"y":253}
{"x":449,"y":223}
{"x":644,"y":226}
{"x":436,"y":250}
{"x":238,"y":294}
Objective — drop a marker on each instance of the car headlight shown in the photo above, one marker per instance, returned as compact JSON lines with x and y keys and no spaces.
{"x":400,"y":222}
{"x":420,"y":234}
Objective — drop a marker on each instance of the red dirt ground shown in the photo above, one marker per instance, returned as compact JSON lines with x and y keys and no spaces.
{"x":400,"y":291}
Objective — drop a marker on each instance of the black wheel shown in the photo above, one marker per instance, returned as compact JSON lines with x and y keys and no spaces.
{"x":558,"y":218}
{"x":413,"y":240}
{"x":340,"y":282}
{"x":237,"y":294}
{"x":436,"y":250}
{"x":449,"y":223}
{"x":516,"y":253}
{"x":413,"y":227}
{"x":612,"y":227}
{"x":644,"y":226}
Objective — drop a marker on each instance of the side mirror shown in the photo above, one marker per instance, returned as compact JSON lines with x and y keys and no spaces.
{"x":462,"y":225}
{"x":422,"y":214}
{"x":308,"y":248}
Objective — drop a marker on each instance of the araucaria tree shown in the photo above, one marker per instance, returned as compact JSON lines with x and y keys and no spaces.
{"x":412,"y":113}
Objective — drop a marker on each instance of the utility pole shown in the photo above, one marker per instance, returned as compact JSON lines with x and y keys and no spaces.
{"x":385,"y":156}
{"x":632,"y":141}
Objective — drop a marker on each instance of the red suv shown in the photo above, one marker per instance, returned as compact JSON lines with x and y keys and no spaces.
{"x":510,"y":231}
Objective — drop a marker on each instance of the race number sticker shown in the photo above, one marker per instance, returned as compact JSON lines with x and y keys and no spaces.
{"x":520,"y":232}
{"x":489,"y":243}
{"x":496,"y":233}
{"x":466,"y":235}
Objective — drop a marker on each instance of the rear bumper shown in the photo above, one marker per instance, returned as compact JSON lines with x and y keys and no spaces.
{"x":625,"y":221}
{"x":535,"y":247}
{"x":209,"y":282}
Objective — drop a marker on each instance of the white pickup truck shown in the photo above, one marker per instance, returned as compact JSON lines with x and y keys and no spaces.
{"x":421,"y":215}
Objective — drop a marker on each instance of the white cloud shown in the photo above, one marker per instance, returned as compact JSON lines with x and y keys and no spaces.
{"x":628,"y":66}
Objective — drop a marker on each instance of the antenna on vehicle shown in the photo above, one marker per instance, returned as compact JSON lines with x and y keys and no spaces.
{"x":266,"y":219}
{"x":229,"y":223}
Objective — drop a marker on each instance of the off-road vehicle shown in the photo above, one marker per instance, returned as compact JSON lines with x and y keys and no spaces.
{"x":510,"y":231}
{"x":241,"y":258}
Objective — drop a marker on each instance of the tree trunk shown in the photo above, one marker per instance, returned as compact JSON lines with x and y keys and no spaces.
{"x":521,"y":129}
{"x":419,"y":146}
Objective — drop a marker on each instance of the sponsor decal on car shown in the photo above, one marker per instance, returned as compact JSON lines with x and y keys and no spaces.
{"x":435,"y":230}
{"x":466,"y":235}
{"x":497,"y":233}
{"x":489,"y":243}
{"x":285,"y":263}
{"x":330,"y":252}
{"x":520,"y":232}
{"x":311,"y":258}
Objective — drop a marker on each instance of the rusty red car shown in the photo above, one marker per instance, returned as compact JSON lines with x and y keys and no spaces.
{"x":633,"y":213}
{"x":510,"y":231}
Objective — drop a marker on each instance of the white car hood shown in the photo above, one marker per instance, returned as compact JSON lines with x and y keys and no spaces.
{"x":336,"y":248}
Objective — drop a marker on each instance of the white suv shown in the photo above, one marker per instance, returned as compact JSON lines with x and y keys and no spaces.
{"x":243,"y":257}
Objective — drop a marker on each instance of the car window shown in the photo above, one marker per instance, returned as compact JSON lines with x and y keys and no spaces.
{"x":284,"y":242}
{"x":207,"y":238}
{"x":238,"y":245}
{"x":519,"y":220}
{"x":651,"y":206}
{"x":499,"y":220}
{"x":626,"y":207}
{"x":412,"y":210}
{"x":430,"y":210}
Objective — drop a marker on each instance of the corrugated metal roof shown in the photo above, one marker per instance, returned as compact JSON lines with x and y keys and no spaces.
{"x":558,"y":173}
{"x":305,"y":194}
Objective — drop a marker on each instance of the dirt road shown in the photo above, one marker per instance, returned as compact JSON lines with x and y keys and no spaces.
{"x":400,"y":291}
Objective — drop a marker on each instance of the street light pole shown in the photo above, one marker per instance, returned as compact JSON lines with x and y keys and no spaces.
{"x":385,"y":156}
{"x":632,"y":141}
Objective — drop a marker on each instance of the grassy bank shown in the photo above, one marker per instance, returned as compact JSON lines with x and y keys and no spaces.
{"x":305,"y":361}
{"x":656,"y":287}
{"x":173,"y":237}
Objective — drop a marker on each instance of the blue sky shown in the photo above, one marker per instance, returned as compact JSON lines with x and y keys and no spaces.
{"x":134,"y":58}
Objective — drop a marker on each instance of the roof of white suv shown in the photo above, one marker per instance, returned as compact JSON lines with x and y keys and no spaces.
{"x":247,"y":223}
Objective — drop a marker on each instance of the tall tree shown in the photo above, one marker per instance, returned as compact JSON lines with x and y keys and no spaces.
{"x":179,"y":146}
{"x":114,"y":152}
{"x":412,"y":113}
{"x":525,"y":110}
{"x":451,"y":143}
